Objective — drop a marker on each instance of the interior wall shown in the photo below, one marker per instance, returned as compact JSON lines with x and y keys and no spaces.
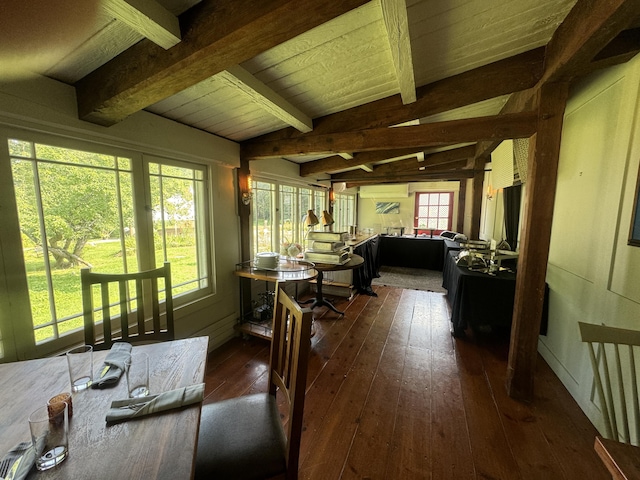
{"x":592,"y":273}
{"x":369,"y":219}
{"x":44,"y":105}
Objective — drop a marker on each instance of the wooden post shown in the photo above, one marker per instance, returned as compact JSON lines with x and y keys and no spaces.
{"x":544,"y":151}
{"x":244,"y":212}
{"x":476,"y":209}
{"x":462,"y":199}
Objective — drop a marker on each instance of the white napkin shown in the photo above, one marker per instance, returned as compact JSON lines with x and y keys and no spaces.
{"x":17,"y":463}
{"x":122,"y":410}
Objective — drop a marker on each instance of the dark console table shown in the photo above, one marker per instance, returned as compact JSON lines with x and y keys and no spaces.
{"x":414,"y":252}
{"x":479,"y":299}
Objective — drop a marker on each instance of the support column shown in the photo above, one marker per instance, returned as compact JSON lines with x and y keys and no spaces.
{"x":544,"y":152}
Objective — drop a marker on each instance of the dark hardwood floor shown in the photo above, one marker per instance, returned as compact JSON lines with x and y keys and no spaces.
{"x":391,"y":395}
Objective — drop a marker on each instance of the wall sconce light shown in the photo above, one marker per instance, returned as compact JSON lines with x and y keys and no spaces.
{"x":490,"y":192}
{"x":247,"y":195}
{"x":332,"y":197}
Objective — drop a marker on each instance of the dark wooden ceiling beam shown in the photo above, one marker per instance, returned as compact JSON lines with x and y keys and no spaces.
{"x":336,"y":162}
{"x":594,"y":35}
{"x":589,"y":27}
{"x":499,"y":78}
{"x":216,"y":34}
{"x":442,"y":175}
{"x":401,"y":167}
{"x":456,"y":158}
{"x":518,"y":125}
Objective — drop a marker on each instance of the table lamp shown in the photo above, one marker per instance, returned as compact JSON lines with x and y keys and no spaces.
{"x":327,"y":219}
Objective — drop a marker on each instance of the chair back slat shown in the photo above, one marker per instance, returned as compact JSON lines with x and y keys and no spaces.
{"x":106,"y":309}
{"x":143,"y":328}
{"x":615,"y":379}
{"x":124,"y":311}
{"x":290,"y":344}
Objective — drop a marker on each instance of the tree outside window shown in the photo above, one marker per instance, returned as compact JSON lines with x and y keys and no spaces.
{"x":78,"y":208}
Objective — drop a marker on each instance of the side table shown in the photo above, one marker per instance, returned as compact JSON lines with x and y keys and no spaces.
{"x":354,"y":262}
{"x":287,"y":270}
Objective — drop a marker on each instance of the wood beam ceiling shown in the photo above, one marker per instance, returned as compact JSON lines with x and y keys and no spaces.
{"x":216,"y":35}
{"x":260,"y":94}
{"x":496,"y":79}
{"x":396,"y":22}
{"x":520,"y":125}
{"x":338,"y":162}
{"x":148,"y":18}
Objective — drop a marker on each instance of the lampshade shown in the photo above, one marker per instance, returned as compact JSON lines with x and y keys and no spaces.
{"x":327,"y":218}
{"x":311,"y":219}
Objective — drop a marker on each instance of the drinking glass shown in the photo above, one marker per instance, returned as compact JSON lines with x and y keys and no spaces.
{"x":138,"y":375}
{"x":80,"y":361}
{"x":50,"y":435}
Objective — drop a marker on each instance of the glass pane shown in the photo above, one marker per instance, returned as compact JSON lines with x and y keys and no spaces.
{"x":178,"y":231}
{"x":20,"y":148}
{"x":263,"y":217}
{"x":320,"y":201}
{"x":286,"y":214}
{"x":78,"y":157}
{"x":71,"y":217}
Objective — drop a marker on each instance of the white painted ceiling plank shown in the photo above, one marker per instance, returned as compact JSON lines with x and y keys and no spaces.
{"x":149,"y":18}
{"x":267,"y":98}
{"x":394,"y":13}
{"x":346,"y":156}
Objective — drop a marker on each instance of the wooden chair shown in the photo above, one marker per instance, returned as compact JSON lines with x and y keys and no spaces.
{"x":147,"y":327}
{"x":614,"y":371}
{"x":244,"y":437}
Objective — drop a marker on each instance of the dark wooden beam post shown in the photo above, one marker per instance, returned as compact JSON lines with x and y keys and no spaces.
{"x":462,"y":199}
{"x":244,"y":212}
{"x":544,"y":151}
{"x":476,"y":209}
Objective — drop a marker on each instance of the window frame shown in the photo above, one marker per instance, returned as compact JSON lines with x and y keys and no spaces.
{"x":416,"y":211}
{"x":20,"y":335}
{"x":296,"y":191}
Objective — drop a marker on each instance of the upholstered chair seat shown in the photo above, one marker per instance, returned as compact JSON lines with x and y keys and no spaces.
{"x":242,"y":439}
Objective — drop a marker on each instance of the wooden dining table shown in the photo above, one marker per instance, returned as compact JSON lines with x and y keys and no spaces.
{"x":159,"y":446}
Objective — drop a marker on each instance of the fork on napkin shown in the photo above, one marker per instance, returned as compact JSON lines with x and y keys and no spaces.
{"x":122,"y":410}
{"x":17,"y":463}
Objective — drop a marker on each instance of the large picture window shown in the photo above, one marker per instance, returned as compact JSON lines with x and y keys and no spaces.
{"x":344,"y":212}
{"x":78,"y":207}
{"x":278,"y":213}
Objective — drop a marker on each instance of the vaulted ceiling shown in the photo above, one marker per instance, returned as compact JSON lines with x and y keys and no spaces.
{"x":319,"y":82}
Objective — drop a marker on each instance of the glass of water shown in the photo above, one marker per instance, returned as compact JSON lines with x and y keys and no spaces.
{"x":50,"y":435}
{"x":138,"y":375}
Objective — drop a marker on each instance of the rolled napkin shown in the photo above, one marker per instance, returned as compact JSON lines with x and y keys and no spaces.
{"x":122,"y":410}
{"x":113,"y":366}
{"x":17,"y":463}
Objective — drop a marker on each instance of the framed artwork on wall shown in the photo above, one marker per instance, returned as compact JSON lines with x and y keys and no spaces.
{"x":387,"y":207}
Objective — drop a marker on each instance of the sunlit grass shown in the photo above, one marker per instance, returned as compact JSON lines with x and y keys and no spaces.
{"x":105,"y":257}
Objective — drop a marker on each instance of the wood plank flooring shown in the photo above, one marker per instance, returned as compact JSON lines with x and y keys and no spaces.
{"x":392,"y":395}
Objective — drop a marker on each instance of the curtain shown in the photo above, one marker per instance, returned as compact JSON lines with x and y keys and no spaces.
{"x":512,"y":196}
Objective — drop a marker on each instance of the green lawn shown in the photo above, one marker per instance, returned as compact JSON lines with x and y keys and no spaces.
{"x":105,"y":257}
